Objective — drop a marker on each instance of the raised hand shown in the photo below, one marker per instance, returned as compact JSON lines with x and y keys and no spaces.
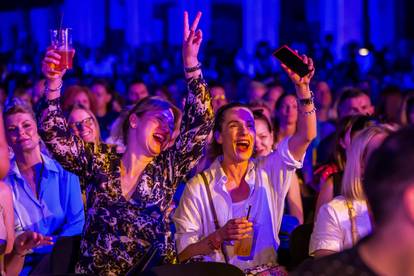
{"x":49,"y":63}
{"x":298,"y":80}
{"x":192,"y":38}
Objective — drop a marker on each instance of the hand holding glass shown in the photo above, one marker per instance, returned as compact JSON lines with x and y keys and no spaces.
{"x":61,"y":41}
{"x":243,"y":247}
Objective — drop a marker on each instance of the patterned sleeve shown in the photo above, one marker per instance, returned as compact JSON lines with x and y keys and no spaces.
{"x":196,"y":125}
{"x":69,"y":150}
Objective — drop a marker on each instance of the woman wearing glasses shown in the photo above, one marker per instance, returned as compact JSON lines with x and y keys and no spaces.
{"x":84,"y":124}
{"x":129,"y":194}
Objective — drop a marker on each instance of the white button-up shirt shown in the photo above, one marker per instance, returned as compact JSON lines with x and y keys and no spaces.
{"x":268,"y":178}
{"x":332,"y":230}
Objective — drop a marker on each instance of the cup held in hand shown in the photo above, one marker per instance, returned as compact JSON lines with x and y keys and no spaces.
{"x":61,"y":41}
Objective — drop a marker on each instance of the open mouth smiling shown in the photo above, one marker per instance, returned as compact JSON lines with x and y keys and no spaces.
{"x":243,"y":144}
{"x":160,"y":138}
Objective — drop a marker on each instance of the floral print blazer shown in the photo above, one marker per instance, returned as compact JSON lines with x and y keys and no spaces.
{"x":118,"y":231}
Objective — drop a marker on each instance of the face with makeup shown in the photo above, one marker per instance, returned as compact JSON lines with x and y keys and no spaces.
{"x":288,"y":110}
{"x":83,"y":125}
{"x":237,"y":134}
{"x":264,"y":138}
{"x":21,"y":131}
{"x":152,"y":130}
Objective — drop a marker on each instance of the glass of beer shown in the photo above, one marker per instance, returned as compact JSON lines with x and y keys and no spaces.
{"x":243,"y":248}
{"x":61,"y":41}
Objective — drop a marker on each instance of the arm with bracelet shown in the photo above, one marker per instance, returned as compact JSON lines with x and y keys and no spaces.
{"x":306,"y":126}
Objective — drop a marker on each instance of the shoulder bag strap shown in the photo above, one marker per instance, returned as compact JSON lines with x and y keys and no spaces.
{"x":352,"y":217}
{"x":213,"y":211}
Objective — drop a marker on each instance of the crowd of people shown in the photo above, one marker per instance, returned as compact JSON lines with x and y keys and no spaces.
{"x":156,"y":176}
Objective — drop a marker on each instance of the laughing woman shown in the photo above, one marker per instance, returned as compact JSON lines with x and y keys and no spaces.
{"x":128,"y":194}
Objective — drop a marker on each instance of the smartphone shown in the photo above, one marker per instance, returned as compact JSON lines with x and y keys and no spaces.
{"x":292,"y":60}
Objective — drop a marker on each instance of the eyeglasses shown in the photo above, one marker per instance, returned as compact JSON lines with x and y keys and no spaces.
{"x":162,"y":118}
{"x":219,"y":97}
{"x":87,"y":122}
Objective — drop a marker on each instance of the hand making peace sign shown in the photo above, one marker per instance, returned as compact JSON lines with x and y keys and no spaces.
{"x":192,"y":38}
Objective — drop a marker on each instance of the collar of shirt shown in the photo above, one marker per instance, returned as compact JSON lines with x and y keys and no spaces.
{"x":219,"y":177}
{"x":50,"y":166}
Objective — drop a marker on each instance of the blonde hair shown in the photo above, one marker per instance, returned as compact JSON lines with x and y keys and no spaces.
{"x":352,"y":188}
{"x":90,"y":113}
{"x":149,"y":103}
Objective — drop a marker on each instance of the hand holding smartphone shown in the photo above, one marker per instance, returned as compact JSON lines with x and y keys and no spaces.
{"x":292,"y":60}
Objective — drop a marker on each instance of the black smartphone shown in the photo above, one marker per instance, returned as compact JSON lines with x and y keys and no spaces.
{"x":292,"y":60}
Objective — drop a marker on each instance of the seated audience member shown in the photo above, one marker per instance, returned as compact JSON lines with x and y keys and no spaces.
{"x":236,"y":181}
{"x":325,"y":127}
{"x":84,"y":124}
{"x":389,"y":105}
{"x":37,"y":91}
{"x":261,"y":107}
{"x":164,"y":93}
{"x":328,"y":177}
{"x":324,"y":113}
{"x":286,"y":121}
{"x":389,"y":188}
{"x":323,"y":102}
{"x":286,"y":116}
{"x":341,"y":223}
{"x":76,"y":94}
{"x":352,"y":101}
{"x":103,"y":107}
{"x":274,"y":91}
{"x":129,"y":194}
{"x":23,"y":91}
{"x":118,"y":102}
{"x":137,"y":90}
{"x":218,"y":96}
{"x":46,"y":198}
{"x":256,"y":91}
{"x":264,"y":146}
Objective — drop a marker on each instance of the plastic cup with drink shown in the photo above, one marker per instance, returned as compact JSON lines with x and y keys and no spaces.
{"x":61,"y":42}
{"x":243,"y":247}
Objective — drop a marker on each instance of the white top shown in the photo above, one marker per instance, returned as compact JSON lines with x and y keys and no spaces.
{"x":268,"y":178}
{"x":332,"y":230}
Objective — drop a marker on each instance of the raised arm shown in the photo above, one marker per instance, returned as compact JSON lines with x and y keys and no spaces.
{"x":70,"y":151}
{"x":306,"y":126}
{"x":198,"y":113}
